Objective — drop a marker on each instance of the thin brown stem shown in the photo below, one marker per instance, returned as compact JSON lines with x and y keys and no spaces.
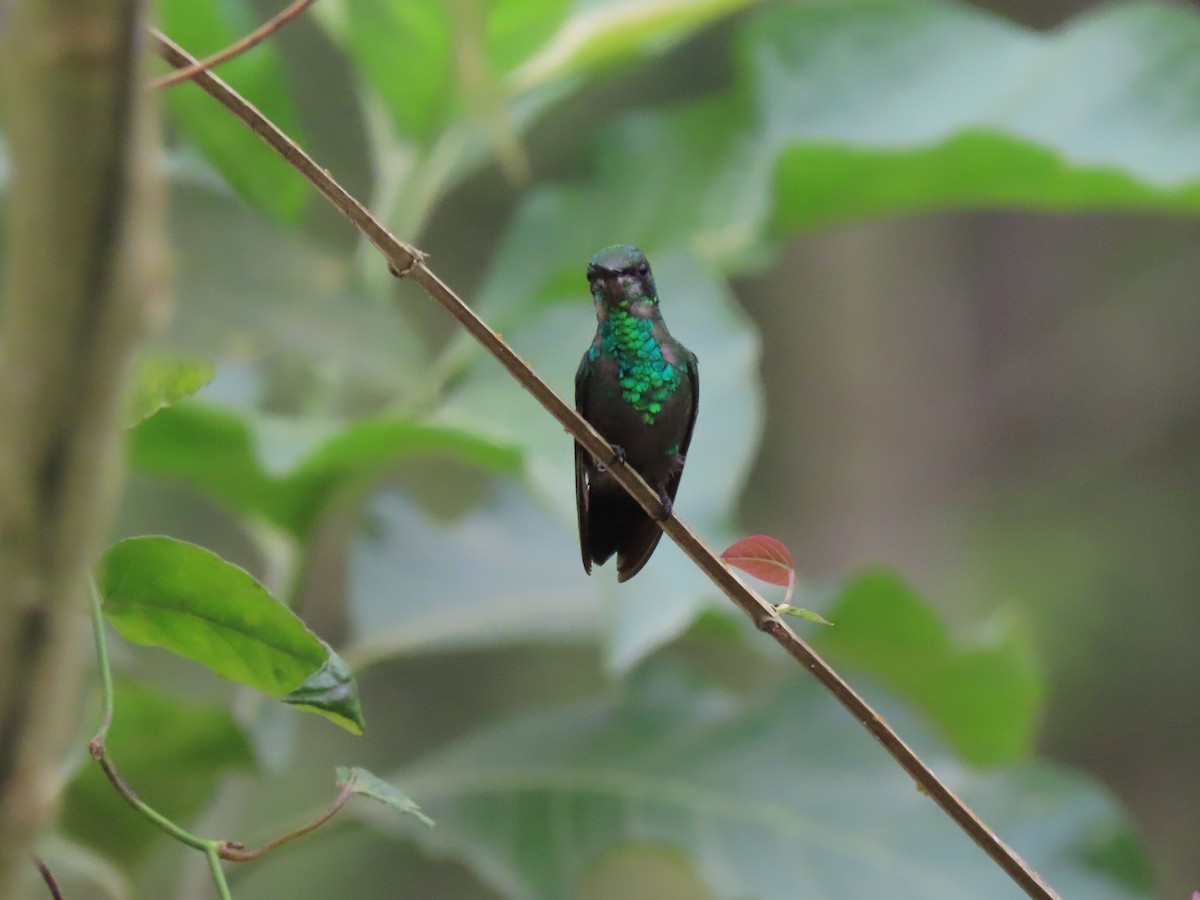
{"x":235,"y":851}
{"x":400,"y":257}
{"x":405,"y":260}
{"x":99,"y":753}
{"x":238,"y":853}
{"x":253,"y":39}
{"x":48,"y":877}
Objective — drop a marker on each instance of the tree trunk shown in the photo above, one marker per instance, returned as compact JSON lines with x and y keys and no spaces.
{"x":84,"y":253}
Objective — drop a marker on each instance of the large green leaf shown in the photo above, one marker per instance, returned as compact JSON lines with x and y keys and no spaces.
{"x":247,"y":289}
{"x":516,"y":28}
{"x":532,"y":43}
{"x":171,"y":752}
{"x":473,"y":76}
{"x":787,"y":797}
{"x":852,"y":109}
{"x":251,"y":168}
{"x":404,"y":49}
{"x":889,"y":106}
{"x":504,"y":571}
{"x":605,"y":32}
{"x":167,"y":593}
{"x":288,"y":471}
{"x":983,"y":694}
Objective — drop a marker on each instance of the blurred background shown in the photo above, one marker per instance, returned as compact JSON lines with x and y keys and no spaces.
{"x":1004,"y":406}
{"x":992,"y":391}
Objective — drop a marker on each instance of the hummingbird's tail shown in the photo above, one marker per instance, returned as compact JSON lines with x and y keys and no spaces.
{"x":616,"y":524}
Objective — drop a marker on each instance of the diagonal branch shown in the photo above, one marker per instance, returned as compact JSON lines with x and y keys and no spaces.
{"x":253,"y":39}
{"x":48,"y":877}
{"x":404,"y":260}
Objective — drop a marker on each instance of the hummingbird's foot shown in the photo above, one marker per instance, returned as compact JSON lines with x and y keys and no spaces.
{"x":618,"y":453}
{"x":667,"y":505}
{"x":619,"y":458}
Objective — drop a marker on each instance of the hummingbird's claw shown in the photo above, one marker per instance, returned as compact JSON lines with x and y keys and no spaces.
{"x":618,"y":460}
{"x":667,"y":503}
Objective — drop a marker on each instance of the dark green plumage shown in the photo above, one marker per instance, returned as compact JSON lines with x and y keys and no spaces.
{"x":639,"y":387}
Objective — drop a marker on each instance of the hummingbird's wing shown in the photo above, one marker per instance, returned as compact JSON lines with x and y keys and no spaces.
{"x":581,"y":462}
{"x":642,"y":534}
{"x":693,"y":373}
{"x":694,"y":378}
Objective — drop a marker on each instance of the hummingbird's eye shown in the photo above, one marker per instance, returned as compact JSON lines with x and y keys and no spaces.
{"x":643,"y":268}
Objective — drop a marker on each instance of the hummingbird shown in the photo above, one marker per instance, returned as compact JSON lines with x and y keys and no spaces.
{"x":639,"y":387}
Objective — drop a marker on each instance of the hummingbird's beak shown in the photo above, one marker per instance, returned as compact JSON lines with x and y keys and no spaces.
{"x":610,"y":280}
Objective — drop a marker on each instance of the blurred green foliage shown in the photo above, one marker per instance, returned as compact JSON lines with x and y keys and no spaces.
{"x":422,"y":501}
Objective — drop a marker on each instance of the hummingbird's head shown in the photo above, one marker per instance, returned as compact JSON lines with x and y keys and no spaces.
{"x":620,"y":276}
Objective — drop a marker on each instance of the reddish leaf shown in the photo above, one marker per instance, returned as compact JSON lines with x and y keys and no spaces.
{"x":767,"y":559}
{"x":764,"y":557}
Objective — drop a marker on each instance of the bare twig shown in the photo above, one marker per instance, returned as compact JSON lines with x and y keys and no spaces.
{"x":400,"y":257}
{"x":238,"y":852}
{"x":48,"y":877}
{"x":253,"y":39}
{"x":403,"y":259}
{"x":235,"y":851}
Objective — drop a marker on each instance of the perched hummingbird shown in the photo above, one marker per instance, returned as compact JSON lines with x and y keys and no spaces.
{"x":639,"y":387}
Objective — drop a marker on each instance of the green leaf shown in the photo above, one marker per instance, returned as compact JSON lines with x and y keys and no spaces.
{"x":166,"y":593}
{"x":332,"y":693}
{"x":251,"y":168}
{"x":783,"y":796}
{"x":983,"y":694}
{"x":290,"y":474}
{"x":516,"y":28}
{"x":363,"y":782}
{"x":210,"y":448}
{"x":786,"y":609}
{"x":920,"y":106}
{"x":924,"y":105}
{"x":171,"y":752}
{"x":473,"y":78}
{"x":611,"y":31}
{"x":160,"y":381}
{"x":404,"y":50}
